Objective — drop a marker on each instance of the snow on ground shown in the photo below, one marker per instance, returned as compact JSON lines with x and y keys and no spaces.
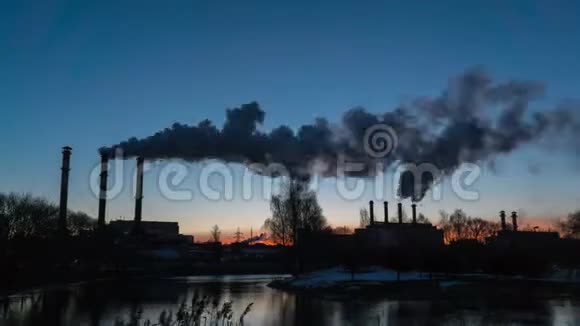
{"x":332,"y":276}
{"x":337,"y":275}
{"x":565,"y":275}
{"x":448,"y":284}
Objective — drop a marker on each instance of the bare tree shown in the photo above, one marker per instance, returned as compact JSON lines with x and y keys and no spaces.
{"x":80,"y":222}
{"x":395,"y":217}
{"x":215,"y":233}
{"x":422,"y":219}
{"x":365,"y":219}
{"x":295,"y":208}
{"x":480,"y":229}
{"x":459,"y":226}
{"x":24,"y":216}
{"x":279,"y":225}
{"x":571,"y":226}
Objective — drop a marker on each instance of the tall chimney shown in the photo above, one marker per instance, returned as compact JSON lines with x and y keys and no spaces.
{"x":371,"y":212}
{"x":503,"y":224}
{"x":400,"y":207}
{"x":386,"y":205}
{"x":515,"y":220}
{"x":103,"y":190}
{"x":414,"y":206}
{"x":139,"y":190}
{"x":62,"y":227}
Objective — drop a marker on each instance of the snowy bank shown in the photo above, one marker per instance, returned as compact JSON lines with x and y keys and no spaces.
{"x":338,"y":275}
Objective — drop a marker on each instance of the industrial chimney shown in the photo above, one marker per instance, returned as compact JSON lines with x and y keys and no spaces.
{"x":139,"y":190}
{"x":515,"y":221}
{"x":62,"y":228}
{"x":414,"y":206}
{"x":386,"y":206}
{"x":400,"y":207}
{"x":371,"y":212}
{"x":503,"y":224}
{"x":103,"y":190}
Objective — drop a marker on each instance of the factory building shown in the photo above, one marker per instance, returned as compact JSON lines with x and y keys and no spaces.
{"x":374,"y":243}
{"x":153,"y":230}
{"x":156,"y":231}
{"x":388,"y":235}
{"x":515,"y":239}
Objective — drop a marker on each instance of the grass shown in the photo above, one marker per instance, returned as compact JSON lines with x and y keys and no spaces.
{"x":201,"y":311}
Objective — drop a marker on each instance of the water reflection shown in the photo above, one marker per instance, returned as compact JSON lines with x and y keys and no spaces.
{"x":100,"y":303}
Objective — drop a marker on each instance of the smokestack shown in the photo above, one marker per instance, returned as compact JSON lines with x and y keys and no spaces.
{"x":139,"y":190}
{"x":414,"y":206}
{"x":103,"y":190}
{"x":372,"y":212}
{"x":386,"y":205}
{"x":515,"y":220}
{"x":503,"y":224}
{"x":62,"y":228}
{"x":400,"y":207}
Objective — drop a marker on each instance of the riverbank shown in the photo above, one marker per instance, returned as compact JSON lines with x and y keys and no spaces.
{"x":27,"y":279}
{"x":338,"y":281}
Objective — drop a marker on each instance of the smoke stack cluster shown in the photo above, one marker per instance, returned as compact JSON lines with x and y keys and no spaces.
{"x":62,"y":214}
{"x":473,"y":120}
{"x":514,"y":216}
{"x":103,"y":191}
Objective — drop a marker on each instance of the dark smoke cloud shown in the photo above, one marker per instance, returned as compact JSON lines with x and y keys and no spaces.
{"x":473,"y":120}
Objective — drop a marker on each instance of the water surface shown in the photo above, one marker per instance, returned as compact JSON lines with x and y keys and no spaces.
{"x":100,"y":303}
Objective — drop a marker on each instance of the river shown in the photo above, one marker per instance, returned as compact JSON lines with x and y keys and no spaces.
{"x":100,"y":303}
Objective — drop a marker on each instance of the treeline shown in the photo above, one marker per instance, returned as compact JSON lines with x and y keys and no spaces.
{"x":33,"y":252}
{"x":23,"y":216}
{"x":459,"y":226}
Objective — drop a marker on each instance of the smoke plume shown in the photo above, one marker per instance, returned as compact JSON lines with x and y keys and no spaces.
{"x":473,"y":120}
{"x":257,"y":238}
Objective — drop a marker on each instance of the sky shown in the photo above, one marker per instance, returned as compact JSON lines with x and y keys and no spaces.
{"x":93,"y":73}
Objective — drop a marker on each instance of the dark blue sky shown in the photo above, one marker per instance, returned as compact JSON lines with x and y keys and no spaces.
{"x":92,"y":73}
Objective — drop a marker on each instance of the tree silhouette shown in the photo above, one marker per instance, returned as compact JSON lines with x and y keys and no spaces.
{"x":422,"y":219}
{"x":571,"y":226}
{"x":23,"y":216}
{"x":365,"y":218}
{"x":215,"y":233}
{"x":459,"y":226}
{"x":295,"y":208}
